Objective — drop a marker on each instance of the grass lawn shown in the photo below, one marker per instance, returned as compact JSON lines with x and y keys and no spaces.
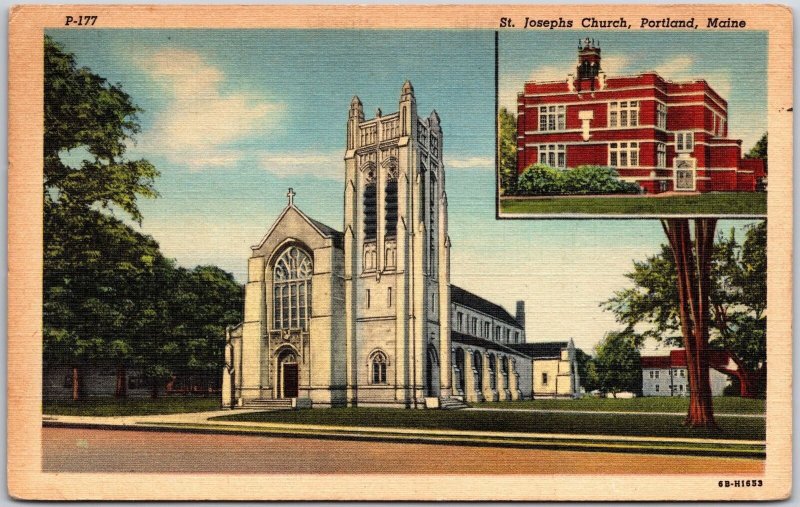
{"x":726,"y":203}
{"x":722,"y":405}
{"x":598,"y":424}
{"x":134,"y":406}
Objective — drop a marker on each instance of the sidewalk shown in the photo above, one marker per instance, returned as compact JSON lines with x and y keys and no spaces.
{"x":607,"y":412}
{"x":203,"y":422}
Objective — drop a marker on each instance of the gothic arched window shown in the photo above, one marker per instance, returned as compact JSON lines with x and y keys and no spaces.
{"x":291,"y":289}
{"x":370,"y":204}
{"x":378,"y":362}
{"x":477,"y":370}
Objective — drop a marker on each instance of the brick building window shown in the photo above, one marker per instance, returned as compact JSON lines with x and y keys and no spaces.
{"x":684,"y":142}
{"x":661,"y":155}
{"x":623,"y":154}
{"x":623,"y":114}
{"x":661,"y":116}
{"x":553,"y":155}
{"x":552,"y":117}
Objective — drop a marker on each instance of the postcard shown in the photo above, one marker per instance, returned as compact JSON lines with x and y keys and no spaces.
{"x":397,"y":252}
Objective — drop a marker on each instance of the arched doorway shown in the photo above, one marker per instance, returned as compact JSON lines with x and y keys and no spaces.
{"x":460,"y":384}
{"x":288,"y":375}
{"x":431,"y":372}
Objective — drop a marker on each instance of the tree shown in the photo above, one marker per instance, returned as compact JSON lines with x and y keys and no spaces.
{"x":586,"y":370}
{"x":83,"y":112}
{"x":738,"y":298}
{"x":507,"y":147}
{"x":759,"y":150}
{"x":618,"y":364}
{"x":92,"y":261}
{"x":722,"y":287}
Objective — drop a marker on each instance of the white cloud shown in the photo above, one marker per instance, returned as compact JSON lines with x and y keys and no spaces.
{"x":683,"y":68}
{"x":326,"y":165}
{"x":201,"y":120}
{"x":469,"y":162}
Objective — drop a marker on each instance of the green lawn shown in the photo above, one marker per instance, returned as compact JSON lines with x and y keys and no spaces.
{"x":722,"y":405}
{"x":596,"y":424}
{"x":134,"y":406}
{"x":725,"y":203}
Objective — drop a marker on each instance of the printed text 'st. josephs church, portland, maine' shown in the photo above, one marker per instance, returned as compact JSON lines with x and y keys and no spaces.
{"x":368,"y":316}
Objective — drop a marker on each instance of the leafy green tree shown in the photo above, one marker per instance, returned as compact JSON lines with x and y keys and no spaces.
{"x":95,"y":303}
{"x":587,"y":371}
{"x":86,"y":114}
{"x":507,"y":146}
{"x":92,"y":262}
{"x":759,"y":150}
{"x":618,"y":364}
{"x":737,"y":303}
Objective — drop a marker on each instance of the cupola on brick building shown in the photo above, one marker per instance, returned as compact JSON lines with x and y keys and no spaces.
{"x":661,"y":134}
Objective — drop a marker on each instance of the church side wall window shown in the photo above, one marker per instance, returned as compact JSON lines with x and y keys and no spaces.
{"x":477,"y":367}
{"x":504,"y":371}
{"x":378,"y":361}
{"x":291,"y":290}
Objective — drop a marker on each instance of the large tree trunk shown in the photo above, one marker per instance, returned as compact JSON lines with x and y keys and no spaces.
{"x":77,"y":383}
{"x":121,"y":390}
{"x":693,"y":266}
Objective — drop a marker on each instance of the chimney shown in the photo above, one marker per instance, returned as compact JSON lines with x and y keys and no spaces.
{"x":521,"y":314}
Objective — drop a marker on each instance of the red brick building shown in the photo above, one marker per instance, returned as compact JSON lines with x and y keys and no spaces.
{"x":660,"y":134}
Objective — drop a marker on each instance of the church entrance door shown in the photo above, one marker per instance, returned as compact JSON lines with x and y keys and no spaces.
{"x":289,"y":380}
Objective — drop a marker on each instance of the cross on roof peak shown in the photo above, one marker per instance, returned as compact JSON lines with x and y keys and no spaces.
{"x":291,"y":195}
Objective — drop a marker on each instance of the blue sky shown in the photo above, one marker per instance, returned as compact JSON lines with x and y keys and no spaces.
{"x":733,"y":63}
{"x":234,"y":117}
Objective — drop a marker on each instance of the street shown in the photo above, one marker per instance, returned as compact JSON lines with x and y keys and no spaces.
{"x":98,"y":450}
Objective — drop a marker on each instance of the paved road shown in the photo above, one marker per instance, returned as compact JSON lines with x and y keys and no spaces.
{"x":91,"y":450}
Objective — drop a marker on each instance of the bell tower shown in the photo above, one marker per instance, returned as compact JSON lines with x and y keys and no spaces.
{"x":396,"y":257}
{"x":588,"y":63}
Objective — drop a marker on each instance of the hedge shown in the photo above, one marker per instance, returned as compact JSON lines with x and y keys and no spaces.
{"x":540,"y":179}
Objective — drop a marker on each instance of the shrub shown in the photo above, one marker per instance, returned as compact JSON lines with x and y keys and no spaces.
{"x":593,"y":179}
{"x":539,"y":179}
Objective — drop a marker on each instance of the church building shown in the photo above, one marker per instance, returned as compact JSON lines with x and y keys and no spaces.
{"x":368,"y":316}
{"x":663,"y":135}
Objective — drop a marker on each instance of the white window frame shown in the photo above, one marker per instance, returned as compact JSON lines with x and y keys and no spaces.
{"x":661,"y":115}
{"x":552,"y":118}
{"x":684,"y":141}
{"x":624,"y":113}
{"x":553,"y":155}
{"x":661,"y":155}
{"x":623,"y":154}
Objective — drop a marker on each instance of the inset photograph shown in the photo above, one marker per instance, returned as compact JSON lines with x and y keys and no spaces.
{"x":633,"y":125}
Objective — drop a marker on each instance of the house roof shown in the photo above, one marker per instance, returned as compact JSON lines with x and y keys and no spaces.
{"x":465,"y":339}
{"x":470,"y":300}
{"x":541,"y":350}
{"x":677,"y":359}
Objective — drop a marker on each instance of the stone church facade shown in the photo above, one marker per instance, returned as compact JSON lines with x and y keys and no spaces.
{"x":365,"y":317}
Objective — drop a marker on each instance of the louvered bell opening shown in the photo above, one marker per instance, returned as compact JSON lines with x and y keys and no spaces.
{"x":391,"y":209}
{"x":370,"y":212}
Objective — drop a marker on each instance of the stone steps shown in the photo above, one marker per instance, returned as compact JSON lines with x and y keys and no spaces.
{"x":452,"y":404}
{"x":268,"y":403}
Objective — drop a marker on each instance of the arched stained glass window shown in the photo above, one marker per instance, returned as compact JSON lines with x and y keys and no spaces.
{"x":291,"y":288}
{"x":379,"y":368}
